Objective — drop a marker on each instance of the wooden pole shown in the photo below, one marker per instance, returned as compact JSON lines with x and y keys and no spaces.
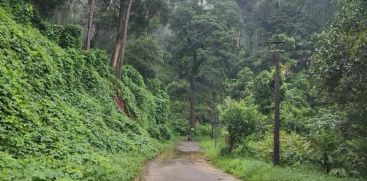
{"x":276,"y":151}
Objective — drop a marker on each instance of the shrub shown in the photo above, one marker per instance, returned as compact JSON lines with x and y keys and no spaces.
{"x":294,"y":149}
{"x":338,"y":155}
{"x":66,"y":36}
{"x":240,"y":119}
{"x":202,"y":130}
{"x":149,"y":104}
{"x":21,"y":10}
{"x":179,"y":125}
{"x":247,"y":168}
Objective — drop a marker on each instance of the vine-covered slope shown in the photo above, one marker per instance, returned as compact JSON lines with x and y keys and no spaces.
{"x":58,"y":117}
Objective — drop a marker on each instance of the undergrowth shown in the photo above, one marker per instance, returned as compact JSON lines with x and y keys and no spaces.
{"x":250,"y":169}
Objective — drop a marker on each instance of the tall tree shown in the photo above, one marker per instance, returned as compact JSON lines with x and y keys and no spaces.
{"x":92,"y":6}
{"x":338,"y":66}
{"x":338,"y":73}
{"x":204,"y":46}
{"x":118,"y":51}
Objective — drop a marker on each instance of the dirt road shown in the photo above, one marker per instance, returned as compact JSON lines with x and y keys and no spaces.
{"x":183,"y":164}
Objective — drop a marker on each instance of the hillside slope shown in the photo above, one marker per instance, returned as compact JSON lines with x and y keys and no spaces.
{"x":58,"y":118}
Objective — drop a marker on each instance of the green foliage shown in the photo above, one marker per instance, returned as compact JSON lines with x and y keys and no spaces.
{"x":295,"y":18}
{"x":289,"y":42}
{"x":296,"y":108}
{"x":240,"y":119}
{"x":263,"y":91}
{"x":89,"y":166}
{"x":338,"y":65}
{"x":58,"y":118}
{"x":21,"y":10}
{"x":179,"y":124}
{"x":242,"y":86}
{"x":46,"y":7}
{"x":59,"y":121}
{"x":337,"y":156}
{"x":66,"y":36}
{"x":338,"y":75}
{"x":256,"y":170}
{"x":149,"y":106}
{"x":294,"y":149}
{"x":148,"y":15}
{"x":178,"y":88}
{"x":144,"y":61}
{"x":203,"y":54}
{"x":178,"y":91}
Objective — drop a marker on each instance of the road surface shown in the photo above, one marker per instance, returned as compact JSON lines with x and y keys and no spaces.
{"x":185,"y":163}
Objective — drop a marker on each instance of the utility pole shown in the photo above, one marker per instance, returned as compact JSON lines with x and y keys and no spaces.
{"x":276,"y":151}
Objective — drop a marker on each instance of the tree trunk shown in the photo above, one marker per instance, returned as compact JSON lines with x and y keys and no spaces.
{"x":192,"y":120}
{"x":254,"y":44}
{"x":326,"y":162}
{"x":119,"y":34}
{"x":239,"y":39}
{"x":118,"y":52}
{"x":92,"y":5}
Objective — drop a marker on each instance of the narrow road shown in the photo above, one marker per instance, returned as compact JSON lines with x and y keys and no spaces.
{"x":185,"y":163}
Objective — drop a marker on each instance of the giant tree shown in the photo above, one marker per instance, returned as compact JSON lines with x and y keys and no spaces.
{"x":203,"y":47}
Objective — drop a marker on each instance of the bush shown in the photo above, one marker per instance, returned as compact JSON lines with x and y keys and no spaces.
{"x":247,"y":168}
{"x":294,"y":149}
{"x":240,"y":119}
{"x":148,"y":104}
{"x":202,"y":130}
{"x":179,"y":125}
{"x":66,"y":36}
{"x":21,"y":10}
{"x":338,"y":155}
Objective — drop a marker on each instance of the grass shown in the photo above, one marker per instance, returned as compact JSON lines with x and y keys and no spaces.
{"x":250,"y":169}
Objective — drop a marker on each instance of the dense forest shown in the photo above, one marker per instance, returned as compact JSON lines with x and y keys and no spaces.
{"x":271,"y":89}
